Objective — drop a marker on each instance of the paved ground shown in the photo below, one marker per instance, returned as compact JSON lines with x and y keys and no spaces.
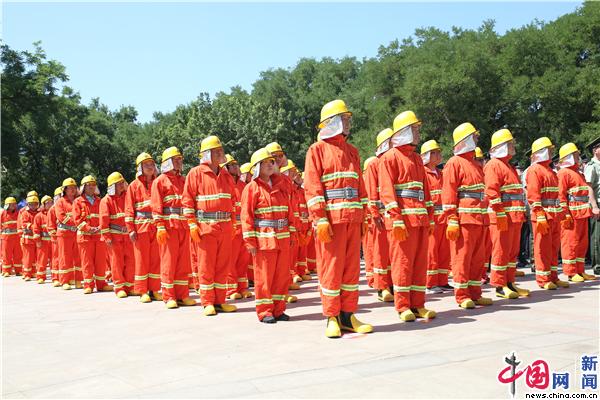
{"x":59,"y":344}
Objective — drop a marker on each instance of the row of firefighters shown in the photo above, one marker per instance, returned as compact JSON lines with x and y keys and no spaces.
{"x":224,"y":224}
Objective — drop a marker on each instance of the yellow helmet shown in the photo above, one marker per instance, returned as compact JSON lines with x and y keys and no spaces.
{"x":46,"y":199}
{"x":429,"y":146}
{"x":228,"y":160}
{"x":290,"y":165}
{"x":478,"y":152}
{"x":32,"y":193}
{"x":367,"y":161}
{"x":567,"y":149}
{"x":384,"y":135}
{"x":32,"y":199}
{"x":115,"y":177}
{"x":462,"y":131}
{"x":209,"y":143}
{"x":260,"y":155}
{"x":245,"y":168}
{"x":405,"y":119}
{"x":69,"y":182}
{"x":331,"y":109}
{"x":88,"y":179}
{"x":500,"y":137}
{"x":540,"y":144}
{"x":274,"y":147}
{"x":170,"y":153}
{"x":58,"y":191}
{"x":141,"y":158}
{"x":10,"y":200}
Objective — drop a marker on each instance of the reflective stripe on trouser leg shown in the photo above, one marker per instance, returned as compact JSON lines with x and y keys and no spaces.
{"x":543,"y":247}
{"x":408,"y":261}
{"x":29,"y":259}
{"x":68,"y":252}
{"x":503,"y":253}
{"x":300,"y":260}
{"x":339,"y":264}
{"x":147,"y":263}
{"x":175,"y":265}
{"x":467,"y":259}
{"x":382,"y":272}
{"x":367,"y":249}
{"x":573,"y":247}
{"x":438,"y":257}
{"x":232,"y":277}
{"x":122,"y":265}
{"x":11,"y":254}
{"x":43,"y":255}
{"x":214,"y":254}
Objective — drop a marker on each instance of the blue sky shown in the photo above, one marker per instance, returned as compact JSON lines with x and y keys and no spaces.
{"x":155,"y":56}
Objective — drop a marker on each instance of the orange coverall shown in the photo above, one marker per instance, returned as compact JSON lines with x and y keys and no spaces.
{"x":542,"y":195}
{"x":574,"y":199}
{"x":167,"y":211}
{"x":438,"y":253}
{"x":25,"y":228}
{"x":334,"y":164}
{"x":112,"y":221}
{"x":41,"y":236}
{"x":269,"y":204}
{"x":69,"y":265}
{"x":11,"y":247}
{"x":51,"y":224}
{"x":237,"y":281}
{"x":404,"y":192}
{"x":463,"y":177}
{"x":92,"y":248}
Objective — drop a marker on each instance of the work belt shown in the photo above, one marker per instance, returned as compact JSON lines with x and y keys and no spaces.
{"x":45,"y":234}
{"x":550,"y":202}
{"x":411,"y":194}
{"x":438,"y":207}
{"x":470,"y":195}
{"x":9,"y":231}
{"x":119,"y":228}
{"x":238,"y":217}
{"x":583,"y":199}
{"x":304,"y":215}
{"x":27,"y":231}
{"x":271,"y":223}
{"x":66,"y":227}
{"x":512,"y":197}
{"x":172,"y":210}
{"x":143,"y":214}
{"x":218,"y":215}
{"x":346,"y":193}
{"x":380,"y":205}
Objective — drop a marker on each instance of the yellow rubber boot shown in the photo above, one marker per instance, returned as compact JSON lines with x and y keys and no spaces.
{"x":407,"y":316}
{"x":235,"y":296}
{"x":78,"y":285}
{"x":297,"y":279}
{"x":562,"y":284}
{"x":467,"y":304}
{"x":226,"y":308}
{"x":87,"y":290}
{"x":55,"y":283}
{"x":588,"y":277}
{"x":506,"y":293}
{"x":349,"y":322}
{"x":424,"y":313}
{"x":333,"y":328}
{"x":145,"y":298}
{"x":121,"y":294}
{"x":66,"y":286}
{"x":246,"y":294}
{"x":290,"y":298}
{"x":27,"y":279}
{"x":40,"y":281}
{"x":210,"y":310}
{"x":520,"y":291}
{"x":306,"y":277}
{"x":294,"y":286}
{"x":549,"y":286}
{"x":385,"y":295}
{"x":157,"y":296}
{"x":171,"y":304}
{"x":107,"y":288}
{"x":187,"y":302}
{"x":484,"y":301}
{"x":5,"y":274}
{"x":576,"y":278}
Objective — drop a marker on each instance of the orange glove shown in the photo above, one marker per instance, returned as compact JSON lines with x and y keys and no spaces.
{"x":324,"y":232}
{"x":501,"y":222}
{"x":542,"y":223}
{"x":400,"y":233}
{"x":567,"y":223}
{"x":195,"y":234}
{"x":162,"y":236}
{"x":453,"y":229}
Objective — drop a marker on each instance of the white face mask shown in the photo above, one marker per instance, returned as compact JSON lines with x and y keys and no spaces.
{"x":205,"y":157}
{"x":426,"y":158}
{"x":383,"y":147}
{"x":402,"y":137}
{"x":540,"y":156}
{"x":502,"y":150}
{"x":256,"y":171}
{"x":333,"y":128}
{"x":465,"y":146}
{"x":567,"y":162}
{"x":166,"y":166}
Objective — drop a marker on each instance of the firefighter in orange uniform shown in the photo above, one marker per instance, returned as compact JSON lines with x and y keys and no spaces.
{"x":266,"y":217}
{"x":246,"y":177}
{"x":25,"y":228}
{"x":172,"y":232}
{"x":367,"y":240}
{"x":11,"y":246}
{"x":142,"y":230}
{"x":51,"y":224}
{"x":409,"y":216}
{"x":438,"y":253}
{"x":114,"y":233}
{"x":92,"y":249}
{"x":237,"y":280}
{"x":466,"y":211}
{"x":546,"y":213}
{"x":336,"y":200}
{"x":208,"y":201}
{"x":573,"y":193}
{"x":69,"y":269}
{"x":505,"y":194}
{"x":42,"y":239}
